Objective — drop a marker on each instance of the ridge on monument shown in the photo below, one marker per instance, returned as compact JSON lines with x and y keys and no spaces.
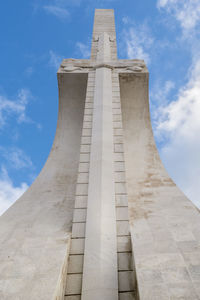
{"x":103,"y":220}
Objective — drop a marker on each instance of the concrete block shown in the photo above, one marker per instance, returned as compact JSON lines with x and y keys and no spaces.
{"x":188,"y":246}
{"x":155,"y":292}
{"x":125,"y":261}
{"x":149,"y":276}
{"x":117,"y":125}
{"x":118,"y":139}
{"x":86,"y":140}
{"x":117,"y":105}
{"x":85,"y":148}
{"x":121,"y":200}
{"x":128,"y":296}
{"x":165,"y":260}
{"x":194,"y":272}
{"x":81,"y":202}
{"x":118,"y":131}
{"x":119,"y":166}
{"x":84,"y":157}
{"x":117,"y":118}
{"x":88,"y":111}
{"x":75,"y":264}
{"x":124,"y":244}
{"x":119,"y":156}
{"x":120,"y":177}
{"x":118,"y":148}
{"x":86,"y":132}
{"x":123,"y":228}
{"x":182,"y":234}
{"x":116,"y":111}
{"x":79,"y":215}
{"x":175,"y":274}
{"x":89,"y":100}
{"x":78,"y":230}
{"x":197,"y":287}
{"x":120,"y":188}
{"x":82,"y":178}
{"x":88,"y":105}
{"x":87,"y":118}
{"x":115,"y":87}
{"x":127,"y":281}
{"x":74,"y":284}
{"x":116,"y":99}
{"x":183,"y":291}
{"x":81,"y":189}
{"x":122,"y":213}
{"x":87,"y":124}
{"x":76,"y":297}
{"x":115,"y":93}
{"x":90,"y":93}
{"x":83,"y":167}
{"x":77,"y":246}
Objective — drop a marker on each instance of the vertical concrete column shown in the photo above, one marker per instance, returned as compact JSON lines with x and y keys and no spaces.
{"x":100,"y":256}
{"x":76,"y":253}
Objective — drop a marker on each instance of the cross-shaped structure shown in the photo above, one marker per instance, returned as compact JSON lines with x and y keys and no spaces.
{"x":103,"y":220}
{"x":103,"y":117}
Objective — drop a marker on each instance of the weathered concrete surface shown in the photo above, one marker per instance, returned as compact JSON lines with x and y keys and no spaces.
{"x":35,"y":231}
{"x":165,"y":225}
{"x":100,"y":256}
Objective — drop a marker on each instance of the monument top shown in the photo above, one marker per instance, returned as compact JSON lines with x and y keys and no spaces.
{"x":104,"y":21}
{"x":103,"y":212}
{"x":103,"y":50}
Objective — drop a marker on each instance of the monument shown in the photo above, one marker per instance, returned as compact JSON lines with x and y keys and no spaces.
{"x":103,"y":220}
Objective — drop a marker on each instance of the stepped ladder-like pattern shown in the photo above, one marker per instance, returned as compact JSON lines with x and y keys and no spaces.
{"x":74,"y":235}
{"x":75,"y":264}
{"x":126,"y":271}
{"x":100,"y":260}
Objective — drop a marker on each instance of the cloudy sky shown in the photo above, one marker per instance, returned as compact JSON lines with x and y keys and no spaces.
{"x":37,"y":34}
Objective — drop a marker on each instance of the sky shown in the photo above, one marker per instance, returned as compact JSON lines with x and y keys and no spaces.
{"x":37,"y":34}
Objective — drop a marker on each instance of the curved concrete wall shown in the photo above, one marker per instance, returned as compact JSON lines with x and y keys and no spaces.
{"x":164,"y":223}
{"x":35,"y":231}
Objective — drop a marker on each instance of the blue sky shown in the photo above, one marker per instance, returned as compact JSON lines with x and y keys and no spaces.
{"x":37,"y":34}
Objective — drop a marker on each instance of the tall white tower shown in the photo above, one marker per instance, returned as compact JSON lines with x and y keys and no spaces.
{"x":103,"y":220}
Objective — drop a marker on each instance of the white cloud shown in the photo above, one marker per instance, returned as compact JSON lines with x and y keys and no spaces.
{"x":16,"y":158}
{"x":84,"y":49}
{"x":162,"y":94}
{"x":16,"y":107}
{"x":59,"y":8}
{"x":179,"y":124}
{"x":187,"y":12}
{"x":138,"y":41}
{"x":8,"y":192}
{"x":159,"y":96}
{"x":177,"y":121}
{"x":55,"y":59}
{"x":60,"y":12}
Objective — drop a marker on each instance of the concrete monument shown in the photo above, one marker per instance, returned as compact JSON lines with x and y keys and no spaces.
{"x":103,"y":220}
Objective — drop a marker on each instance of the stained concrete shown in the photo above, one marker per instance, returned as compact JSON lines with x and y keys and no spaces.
{"x":100,"y":255}
{"x":157,"y":241}
{"x":164,"y":223}
{"x":35,"y":232}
